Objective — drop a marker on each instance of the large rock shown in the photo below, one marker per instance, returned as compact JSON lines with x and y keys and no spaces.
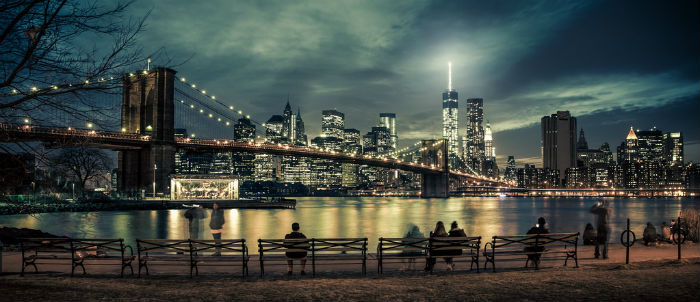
{"x":11,"y":236}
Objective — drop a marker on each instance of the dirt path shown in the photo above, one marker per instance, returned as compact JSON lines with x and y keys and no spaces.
{"x":660,"y":280}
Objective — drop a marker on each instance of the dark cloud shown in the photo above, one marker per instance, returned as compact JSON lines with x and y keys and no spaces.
{"x":610,"y":63}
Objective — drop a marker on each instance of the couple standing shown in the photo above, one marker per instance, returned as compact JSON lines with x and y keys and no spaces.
{"x":216,"y":223}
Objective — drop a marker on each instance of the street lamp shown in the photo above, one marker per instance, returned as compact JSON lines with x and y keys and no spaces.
{"x":154,"y":179}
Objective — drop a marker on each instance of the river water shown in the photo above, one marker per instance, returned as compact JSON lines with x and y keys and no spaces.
{"x":363,"y":217}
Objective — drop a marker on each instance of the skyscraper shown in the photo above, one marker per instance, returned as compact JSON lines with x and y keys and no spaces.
{"x":332,"y":123}
{"x":489,"y":148}
{"x":352,"y":142}
{"x":449,"y":115}
{"x":511,"y":171}
{"x":289,"y":124}
{"x":673,"y":149}
{"x":377,"y":141}
{"x":582,"y":144}
{"x":559,"y":142}
{"x":388,"y":120}
{"x":244,"y":131}
{"x":474,"y":149}
{"x":628,"y":159}
{"x":301,"y":138}
{"x":243,"y":164}
{"x":651,"y":145}
{"x":490,"y":167}
{"x":273,"y":133}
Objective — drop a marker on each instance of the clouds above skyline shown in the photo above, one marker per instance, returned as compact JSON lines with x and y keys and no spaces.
{"x":526,"y":59}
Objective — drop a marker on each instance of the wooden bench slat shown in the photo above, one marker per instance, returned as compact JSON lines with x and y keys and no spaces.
{"x":533,"y":244}
{"x":397,"y":248}
{"x":317,"y":249}
{"x":196,"y":252}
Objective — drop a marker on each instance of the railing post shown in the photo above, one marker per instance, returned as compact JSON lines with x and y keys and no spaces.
{"x":678,"y":228}
{"x":628,"y":243}
{"x":627,"y":254}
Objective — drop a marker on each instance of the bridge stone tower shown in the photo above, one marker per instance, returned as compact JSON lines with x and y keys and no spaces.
{"x":148,"y":109}
{"x":434,"y":153}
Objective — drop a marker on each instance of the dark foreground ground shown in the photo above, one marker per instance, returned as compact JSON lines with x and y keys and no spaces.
{"x":658,"y":280}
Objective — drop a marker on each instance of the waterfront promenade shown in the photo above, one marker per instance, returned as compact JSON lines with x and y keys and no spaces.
{"x":653,"y":275}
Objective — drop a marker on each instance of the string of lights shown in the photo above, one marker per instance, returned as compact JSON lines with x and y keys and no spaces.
{"x":213,"y":98}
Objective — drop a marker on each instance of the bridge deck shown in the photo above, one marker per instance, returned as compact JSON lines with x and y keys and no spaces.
{"x":124,"y":141}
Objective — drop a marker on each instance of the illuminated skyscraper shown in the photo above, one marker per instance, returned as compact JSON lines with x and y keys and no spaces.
{"x":273,"y":131}
{"x":490,"y":167}
{"x":289,"y":125}
{"x":244,"y":131}
{"x":243,"y":163}
{"x":474,"y":148}
{"x":490,"y":150}
{"x":388,"y":120}
{"x":449,"y":115}
{"x":332,"y":123}
{"x":511,"y":170}
{"x":673,"y":150}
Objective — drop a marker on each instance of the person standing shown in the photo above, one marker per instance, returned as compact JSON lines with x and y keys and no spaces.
{"x":194,"y":216}
{"x":602,"y":214}
{"x":216,"y":224}
{"x":298,"y":249}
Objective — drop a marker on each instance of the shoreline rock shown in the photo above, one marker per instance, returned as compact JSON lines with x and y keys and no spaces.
{"x":10,"y":235}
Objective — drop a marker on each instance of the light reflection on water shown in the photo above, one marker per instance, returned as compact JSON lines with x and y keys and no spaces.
{"x":361,"y":217}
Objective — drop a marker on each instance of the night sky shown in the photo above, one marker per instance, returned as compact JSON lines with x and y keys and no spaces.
{"x":613,"y":64}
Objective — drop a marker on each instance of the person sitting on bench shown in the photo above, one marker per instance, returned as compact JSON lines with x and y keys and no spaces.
{"x":301,"y":255}
{"x":539,"y":228}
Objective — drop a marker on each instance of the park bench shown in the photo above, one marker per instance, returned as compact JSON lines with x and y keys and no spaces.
{"x":321,"y":250}
{"x":515,"y":247}
{"x":195,"y":253}
{"x":231,"y":252}
{"x":163,"y":252}
{"x":340,"y":250}
{"x":46,"y":251}
{"x":455,"y":248}
{"x":273,"y":251}
{"x":75,"y":251}
{"x":111,"y":251}
{"x":403,"y":250}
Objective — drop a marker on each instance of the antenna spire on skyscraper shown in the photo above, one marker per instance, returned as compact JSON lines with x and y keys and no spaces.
{"x":449,"y":76}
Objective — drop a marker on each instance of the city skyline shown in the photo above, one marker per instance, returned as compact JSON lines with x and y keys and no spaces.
{"x":546,"y":57}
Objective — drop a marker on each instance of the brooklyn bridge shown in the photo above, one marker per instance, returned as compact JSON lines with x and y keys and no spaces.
{"x":146,"y":142}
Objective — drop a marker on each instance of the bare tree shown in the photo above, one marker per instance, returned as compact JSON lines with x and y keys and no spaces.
{"x":82,"y":164}
{"x":54,"y":52}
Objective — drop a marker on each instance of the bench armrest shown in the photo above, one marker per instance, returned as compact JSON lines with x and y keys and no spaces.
{"x":131,"y":250}
{"x":486,"y":247}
